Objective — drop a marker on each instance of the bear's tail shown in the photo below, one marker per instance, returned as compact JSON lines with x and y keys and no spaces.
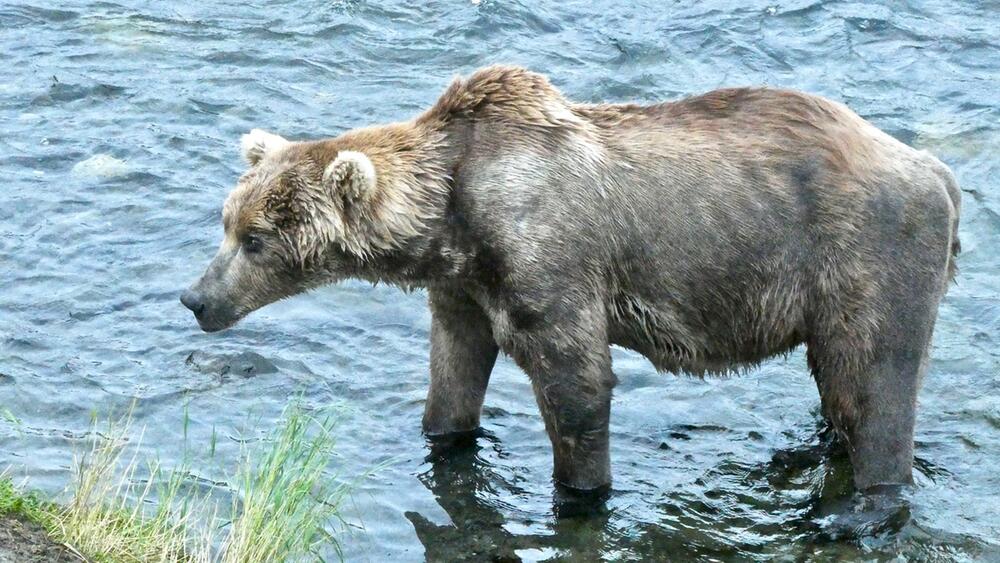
{"x":955,"y":195}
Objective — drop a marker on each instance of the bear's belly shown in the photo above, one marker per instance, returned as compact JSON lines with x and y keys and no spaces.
{"x":672,"y":345}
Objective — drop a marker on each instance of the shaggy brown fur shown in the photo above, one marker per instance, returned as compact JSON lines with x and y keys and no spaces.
{"x":708,"y":234}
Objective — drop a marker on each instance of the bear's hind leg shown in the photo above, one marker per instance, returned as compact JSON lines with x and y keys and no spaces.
{"x":874,"y":309}
{"x":463,"y":352}
{"x":868,"y":384}
{"x":872,"y":408}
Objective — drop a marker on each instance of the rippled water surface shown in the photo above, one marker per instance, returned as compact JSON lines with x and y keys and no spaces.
{"x":119,"y":126}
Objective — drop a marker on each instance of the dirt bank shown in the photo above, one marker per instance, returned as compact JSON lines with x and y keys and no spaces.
{"x":27,"y":542}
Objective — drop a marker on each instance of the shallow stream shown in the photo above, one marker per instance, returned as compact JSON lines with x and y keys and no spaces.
{"x":119,"y":129}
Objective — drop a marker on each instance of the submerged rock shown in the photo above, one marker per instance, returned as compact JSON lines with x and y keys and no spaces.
{"x":246,"y":364}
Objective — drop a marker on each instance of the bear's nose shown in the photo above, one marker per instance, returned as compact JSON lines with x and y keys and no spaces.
{"x":193,"y":301}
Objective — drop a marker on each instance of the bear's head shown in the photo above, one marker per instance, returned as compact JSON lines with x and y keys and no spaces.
{"x":304,"y":214}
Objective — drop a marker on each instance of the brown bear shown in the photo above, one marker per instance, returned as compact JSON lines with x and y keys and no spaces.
{"x":707,"y":234}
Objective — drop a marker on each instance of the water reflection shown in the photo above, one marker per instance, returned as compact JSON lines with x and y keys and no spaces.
{"x":457,"y":478}
{"x":799,"y":505}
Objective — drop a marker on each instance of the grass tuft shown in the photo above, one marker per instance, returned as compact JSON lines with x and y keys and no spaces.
{"x":285,"y":500}
{"x":114,"y":516}
{"x":14,"y":502}
{"x":283,"y":503}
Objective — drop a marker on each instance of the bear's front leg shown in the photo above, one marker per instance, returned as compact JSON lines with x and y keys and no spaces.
{"x":570,"y":370}
{"x":463,"y":352}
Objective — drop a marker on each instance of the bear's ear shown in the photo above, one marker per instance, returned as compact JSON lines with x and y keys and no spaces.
{"x":351,"y":176}
{"x":259,"y":143}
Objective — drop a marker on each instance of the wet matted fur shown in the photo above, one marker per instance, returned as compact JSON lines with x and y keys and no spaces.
{"x":707,"y":234}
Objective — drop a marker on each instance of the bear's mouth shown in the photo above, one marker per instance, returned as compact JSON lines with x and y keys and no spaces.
{"x":208,"y":325}
{"x":213,"y":319}
{"x":214,"y":322}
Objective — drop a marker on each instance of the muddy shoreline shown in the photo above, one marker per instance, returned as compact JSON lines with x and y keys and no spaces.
{"x":22,"y":541}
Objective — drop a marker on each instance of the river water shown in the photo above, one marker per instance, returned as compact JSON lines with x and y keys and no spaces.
{"x":119,"y":129}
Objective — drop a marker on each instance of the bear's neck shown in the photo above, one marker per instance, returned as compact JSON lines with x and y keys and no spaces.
{"x":412,"y":239}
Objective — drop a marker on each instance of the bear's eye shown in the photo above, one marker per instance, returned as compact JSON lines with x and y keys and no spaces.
{"x":252,"y":244}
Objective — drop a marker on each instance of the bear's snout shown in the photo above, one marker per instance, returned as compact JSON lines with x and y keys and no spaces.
{"x":212,"y":316}
{"x":192,"y":300}
{"x":211,"y":298}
